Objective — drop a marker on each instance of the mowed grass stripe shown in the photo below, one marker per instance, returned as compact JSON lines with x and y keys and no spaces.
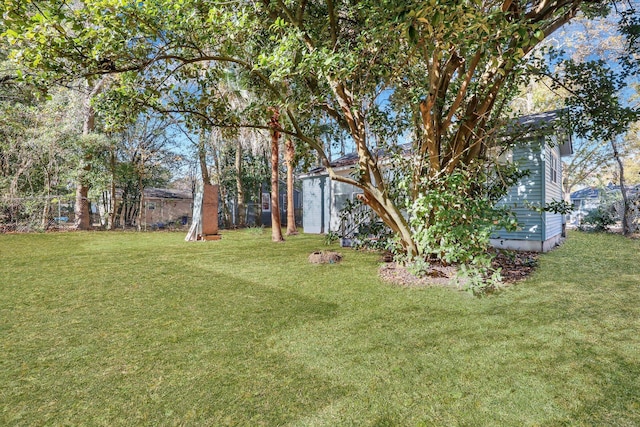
{"x":146,"y":329}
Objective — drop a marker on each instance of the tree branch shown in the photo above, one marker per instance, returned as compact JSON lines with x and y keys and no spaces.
{"x":333,"y":25}
{"x":462,"y":91}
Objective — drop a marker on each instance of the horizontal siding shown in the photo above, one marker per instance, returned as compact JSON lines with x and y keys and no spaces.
{"x":527,"y":191}
{"x":553,"y":190}
{"x":553,"y":224}
{"x":529,"y":226}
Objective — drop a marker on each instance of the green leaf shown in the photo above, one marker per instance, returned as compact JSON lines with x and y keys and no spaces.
{"x":413,"y":34}
{"x":11,"y":34}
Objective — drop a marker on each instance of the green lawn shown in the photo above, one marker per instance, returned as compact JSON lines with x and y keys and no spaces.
{"x":144,"y":329}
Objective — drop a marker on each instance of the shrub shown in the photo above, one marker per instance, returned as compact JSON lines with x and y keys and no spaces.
{"x":599,"y":219}
{"x":453,"y":223}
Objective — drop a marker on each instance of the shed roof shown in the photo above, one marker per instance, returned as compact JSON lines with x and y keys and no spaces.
{"x":556,"y":121}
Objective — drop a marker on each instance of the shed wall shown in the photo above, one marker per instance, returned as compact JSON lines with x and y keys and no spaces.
{"x":315,"y":204}
{"x":528,"y":190}
{"x":340,"y":193}
{"x":553,"y":192}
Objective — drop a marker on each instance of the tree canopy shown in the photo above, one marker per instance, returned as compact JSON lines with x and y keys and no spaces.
{"x":436,"y":75}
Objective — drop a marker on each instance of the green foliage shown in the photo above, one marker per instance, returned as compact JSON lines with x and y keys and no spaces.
{"x":374,"y":235}
{"x":555,"y":206}
{"x":597,"y":108}
{"x":452,"y":224}
{"x":418,"y":266}
{"x":605,"y":215}
{"x":40,"y":141}
{"x":559,"y":207}
{"x":331,"y":238}
{"x":368,"y":231}
{"x":599,"y":219}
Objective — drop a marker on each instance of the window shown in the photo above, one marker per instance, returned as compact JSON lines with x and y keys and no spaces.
{"x":266,"y":202}
{"x":553,"y":164}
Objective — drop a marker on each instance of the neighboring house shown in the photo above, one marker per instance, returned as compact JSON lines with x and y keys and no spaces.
{"x":584,"y":201}
{"x":587,"y":199}
{"x":167,"y":206}
{"x":265,"y":206}
{"x":539,"y":231}
{"x":162,"y":206}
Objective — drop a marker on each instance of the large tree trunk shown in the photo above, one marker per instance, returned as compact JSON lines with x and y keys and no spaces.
{"x":242,"y":217}
{"x":370,"y":179}
{"x":276,"y":230}
{"x":82,"y":214}
{"x":83,"y":219}
{"x":290,"y":152}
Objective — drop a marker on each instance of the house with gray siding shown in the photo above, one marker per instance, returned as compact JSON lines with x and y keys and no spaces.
{"x":538,"y":152}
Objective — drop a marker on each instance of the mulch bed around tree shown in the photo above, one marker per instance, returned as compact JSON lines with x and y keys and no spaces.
{"x":515,"y":266}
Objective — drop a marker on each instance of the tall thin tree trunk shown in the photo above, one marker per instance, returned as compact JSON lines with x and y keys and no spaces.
{"x":258,"y":208}
{"x":242,"y":217}
{"x":46,"y":211}
{"x":112,"y":201}
{"x":202,"y":158}
{"x":626,"y":229}
{"x":141,"y":209}
{"x":290,"y":152}
{"x":226,"y":216}
{"x":82,"y":220}
{"x":276,"y":230}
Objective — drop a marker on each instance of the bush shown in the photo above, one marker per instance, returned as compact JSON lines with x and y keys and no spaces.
{"x":453,"y":223}
{"x":599,"y":219}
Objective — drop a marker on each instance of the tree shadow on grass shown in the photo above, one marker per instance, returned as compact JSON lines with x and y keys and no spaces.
{"x":168,"y":354}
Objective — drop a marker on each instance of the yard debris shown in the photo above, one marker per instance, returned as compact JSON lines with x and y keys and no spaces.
{"x":325,"y":257}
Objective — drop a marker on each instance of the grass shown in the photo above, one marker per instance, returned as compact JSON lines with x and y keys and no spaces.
{"x":120,"y":329}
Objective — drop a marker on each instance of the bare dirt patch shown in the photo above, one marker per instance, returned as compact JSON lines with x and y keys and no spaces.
{"x":397,"y":274}
{"x":515,"y":266}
